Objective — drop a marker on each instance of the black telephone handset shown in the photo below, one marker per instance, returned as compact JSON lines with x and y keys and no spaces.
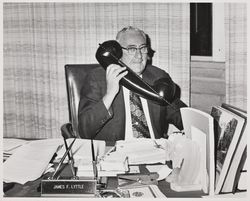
{"x":163,"y":90}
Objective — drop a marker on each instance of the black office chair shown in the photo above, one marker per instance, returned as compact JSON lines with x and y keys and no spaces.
{"x":75,"y":75}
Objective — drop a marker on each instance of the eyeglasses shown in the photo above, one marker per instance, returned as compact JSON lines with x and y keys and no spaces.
{"x":132,"y":50}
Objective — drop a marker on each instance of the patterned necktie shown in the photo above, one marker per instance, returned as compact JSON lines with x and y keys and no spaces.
{"x":139,"y":123}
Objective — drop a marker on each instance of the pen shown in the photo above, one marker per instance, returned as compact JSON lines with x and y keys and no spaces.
{"x":92,"y":150}
{"x":71,"y":160}
{"x":64,"y":156}
{"x":94,"y":160}
{"x":66,"y":146}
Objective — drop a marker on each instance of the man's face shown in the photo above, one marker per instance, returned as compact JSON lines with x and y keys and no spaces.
{"x":136,"y":61}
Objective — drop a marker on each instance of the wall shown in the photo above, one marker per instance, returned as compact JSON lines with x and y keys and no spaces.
{"x":40,"y":38}
{"x":208,"y":86}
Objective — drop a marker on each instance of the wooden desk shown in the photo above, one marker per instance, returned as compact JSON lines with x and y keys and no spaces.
{"x":32,"y":189}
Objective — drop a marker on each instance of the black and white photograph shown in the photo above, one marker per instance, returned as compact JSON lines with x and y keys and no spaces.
{"x":124,"y":99}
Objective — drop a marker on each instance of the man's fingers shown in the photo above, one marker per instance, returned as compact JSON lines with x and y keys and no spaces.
{"x":114,"y":73}
{"x":113,"y":68}
{"x":119,"y":71}
{"x":121,"y":75}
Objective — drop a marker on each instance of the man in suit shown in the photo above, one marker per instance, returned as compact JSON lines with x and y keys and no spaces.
{"x":104,"y":108}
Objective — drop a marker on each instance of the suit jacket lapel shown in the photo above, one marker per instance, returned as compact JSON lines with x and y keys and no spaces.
{"x":120,"y":107}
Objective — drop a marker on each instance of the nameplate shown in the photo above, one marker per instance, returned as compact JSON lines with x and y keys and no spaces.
{"x":74,"y":188}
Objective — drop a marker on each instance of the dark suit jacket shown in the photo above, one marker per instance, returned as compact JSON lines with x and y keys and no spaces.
{"x":98,"y":123}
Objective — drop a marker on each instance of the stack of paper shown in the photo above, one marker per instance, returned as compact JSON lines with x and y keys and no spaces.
{"x":114,"y":164}
{"x":85,"y":169}
{"x":124,"y":153}
{"x":30,"y":161}
{"x":82,"y":155}
{"x":105,"y":167}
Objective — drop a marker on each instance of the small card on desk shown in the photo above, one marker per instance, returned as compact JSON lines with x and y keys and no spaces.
{"x":68,"y":188}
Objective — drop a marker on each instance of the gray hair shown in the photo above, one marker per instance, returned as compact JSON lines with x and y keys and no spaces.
{"x":129,"y":28}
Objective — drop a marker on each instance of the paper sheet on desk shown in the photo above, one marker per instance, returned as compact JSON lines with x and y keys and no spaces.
{"x":30,"y":161}
{"x":149,"y":191}
{"x":162,"y":170}
{"x":141,"y":151}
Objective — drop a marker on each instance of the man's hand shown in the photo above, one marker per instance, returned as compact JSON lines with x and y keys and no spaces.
{"x":114,"y":73}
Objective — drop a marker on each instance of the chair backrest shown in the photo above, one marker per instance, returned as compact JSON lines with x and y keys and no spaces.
{"x":199,"y":126}
{"x":75,"y":75}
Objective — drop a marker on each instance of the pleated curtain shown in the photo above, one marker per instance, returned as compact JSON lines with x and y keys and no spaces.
{"x":40,"y":38}
{"x":236,"y":54}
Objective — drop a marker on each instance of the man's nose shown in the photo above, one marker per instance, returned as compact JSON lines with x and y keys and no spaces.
{"x":138,"y":53}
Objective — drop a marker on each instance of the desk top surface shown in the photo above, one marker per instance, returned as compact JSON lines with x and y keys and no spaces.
{"x":32,"y":189}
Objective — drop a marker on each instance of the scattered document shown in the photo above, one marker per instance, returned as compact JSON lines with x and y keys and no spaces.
{"x":150,"y":191}
{"x":11,"y":144}
{"x":30,"y":161}
{"x":141,"y":151}
{"x":162,"y":170}
{"x":106,"y":166}
{"x":125,"y":156}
